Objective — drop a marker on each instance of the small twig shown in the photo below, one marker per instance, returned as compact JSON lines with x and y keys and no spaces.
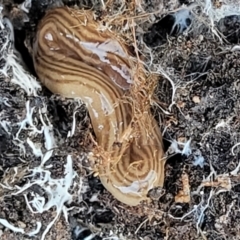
{"x":141,"y":225}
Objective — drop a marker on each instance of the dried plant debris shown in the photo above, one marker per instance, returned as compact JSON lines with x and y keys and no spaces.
{"x":47,"y":189}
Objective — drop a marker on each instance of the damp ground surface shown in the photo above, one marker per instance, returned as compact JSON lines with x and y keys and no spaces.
{"x":198,"y":112}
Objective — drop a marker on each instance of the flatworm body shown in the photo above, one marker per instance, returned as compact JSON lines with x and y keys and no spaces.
{"x":75,"y":59}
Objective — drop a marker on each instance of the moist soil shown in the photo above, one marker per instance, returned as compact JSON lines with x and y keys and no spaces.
{"x":200,"y":125}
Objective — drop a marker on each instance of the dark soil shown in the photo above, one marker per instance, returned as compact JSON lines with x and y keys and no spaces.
{"x":206,"y":111}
